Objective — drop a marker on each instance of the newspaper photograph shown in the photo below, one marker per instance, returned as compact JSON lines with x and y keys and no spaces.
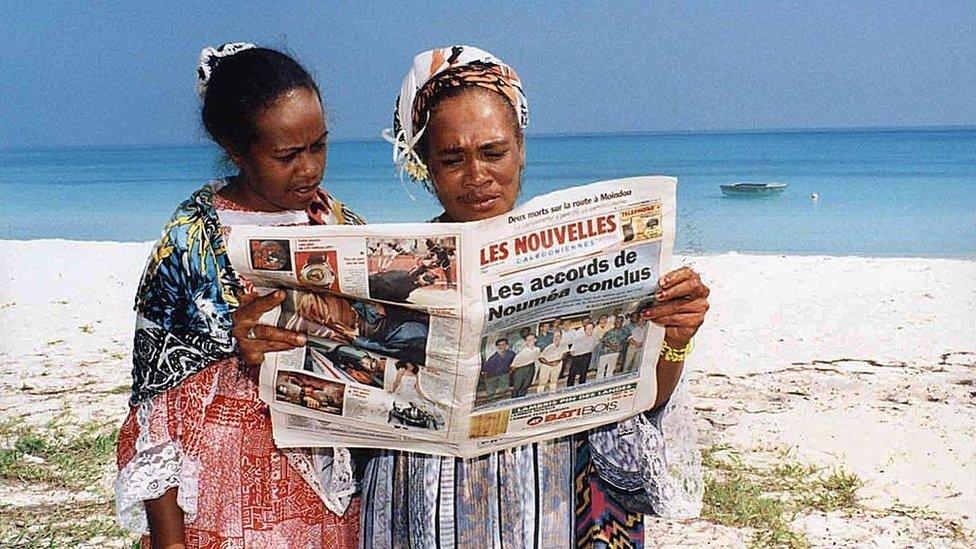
{"x":466,"y":338}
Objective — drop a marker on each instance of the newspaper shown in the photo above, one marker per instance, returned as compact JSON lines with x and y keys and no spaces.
{"x":438,"y":337}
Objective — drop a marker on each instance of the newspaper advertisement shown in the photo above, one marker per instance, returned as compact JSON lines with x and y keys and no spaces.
{"x":466,"y":338}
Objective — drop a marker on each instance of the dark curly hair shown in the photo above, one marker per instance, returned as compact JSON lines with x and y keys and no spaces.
{"x":241,"y":86}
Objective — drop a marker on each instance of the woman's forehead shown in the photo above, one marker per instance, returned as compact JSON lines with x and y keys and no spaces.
{"x":296,"y":115}
{"x":480,"y":116}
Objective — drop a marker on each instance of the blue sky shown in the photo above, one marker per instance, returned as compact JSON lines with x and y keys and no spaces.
{"x":92,"y":74}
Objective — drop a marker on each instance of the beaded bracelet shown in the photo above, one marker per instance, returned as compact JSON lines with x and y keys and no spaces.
{"x":671,"y":354}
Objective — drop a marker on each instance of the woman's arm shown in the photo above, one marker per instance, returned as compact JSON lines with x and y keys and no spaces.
{"x":680,"y":306}
{"x":668,"y":374}
{"x":165,"y":521}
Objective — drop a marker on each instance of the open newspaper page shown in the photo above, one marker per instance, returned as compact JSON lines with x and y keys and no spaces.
{"x":461,"y":339}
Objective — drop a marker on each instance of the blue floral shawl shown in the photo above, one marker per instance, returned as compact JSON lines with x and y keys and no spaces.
{"x":188,"y":295}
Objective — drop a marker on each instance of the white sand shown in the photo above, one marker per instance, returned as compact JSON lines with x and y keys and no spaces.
{"x":847,"y":361}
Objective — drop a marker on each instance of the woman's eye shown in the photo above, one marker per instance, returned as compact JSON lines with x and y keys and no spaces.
{"x":316,"y":147}
{"x":287,"y":157}
{"x":451,"y":161}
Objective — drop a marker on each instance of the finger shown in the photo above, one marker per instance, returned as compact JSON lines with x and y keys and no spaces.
{"x":253,"y":350}
{"x":682,"y":320}
{"x":260,"y":305}
{"x":676,"y":276}
{"x":245,"y":298}
{"x":265,"y":346}
{"x":690,"y":288}
{"x":253,"y":357}
{"x":675,"y":307}
{"x":262,"y":332}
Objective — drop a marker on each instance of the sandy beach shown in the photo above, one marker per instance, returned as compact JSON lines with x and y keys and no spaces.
{"x":866,"y":365}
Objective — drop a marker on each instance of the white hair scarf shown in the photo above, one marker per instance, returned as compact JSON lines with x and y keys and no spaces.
{"x":209,"y":59}
{"x":457,"y":65}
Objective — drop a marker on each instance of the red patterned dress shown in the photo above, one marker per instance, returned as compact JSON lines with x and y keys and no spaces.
{"x":210,"y":436}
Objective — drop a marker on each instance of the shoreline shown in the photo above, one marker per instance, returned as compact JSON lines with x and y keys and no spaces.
{"x":866,"y":365}
{"x":203,"y":142}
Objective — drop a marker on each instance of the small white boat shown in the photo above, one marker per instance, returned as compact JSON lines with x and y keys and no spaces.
{"x":752,"y":189}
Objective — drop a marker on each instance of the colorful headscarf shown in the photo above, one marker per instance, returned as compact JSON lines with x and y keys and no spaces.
{"x":436,"y":70}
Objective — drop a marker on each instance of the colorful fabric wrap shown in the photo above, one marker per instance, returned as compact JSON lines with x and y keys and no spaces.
{"x":432,"y":72}
{"x":188,"y":295}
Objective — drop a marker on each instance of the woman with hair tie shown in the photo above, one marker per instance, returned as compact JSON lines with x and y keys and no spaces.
{"x":197,"y":463}
{"x":458,"y":128}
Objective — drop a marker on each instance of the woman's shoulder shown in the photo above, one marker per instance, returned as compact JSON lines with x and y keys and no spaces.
{"x":200,"y":202}
{"x":327,"y":209}
{"x":193,"y":228}
{"x":195,"y":216}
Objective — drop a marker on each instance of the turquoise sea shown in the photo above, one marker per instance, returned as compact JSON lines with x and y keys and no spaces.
{"x":882,"y":193}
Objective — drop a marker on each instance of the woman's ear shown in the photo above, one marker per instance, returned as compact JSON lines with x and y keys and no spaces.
{"x":521,"y":152}
{"x":233,"y":155}
{"x":237,"y":159}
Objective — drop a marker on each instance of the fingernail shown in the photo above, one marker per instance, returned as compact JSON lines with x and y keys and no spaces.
{"x":301,"y":340}
{"x":659,"y":295}
{"x":663,"y":281}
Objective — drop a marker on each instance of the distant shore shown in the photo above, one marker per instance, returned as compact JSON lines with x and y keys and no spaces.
{"x":202,"y":143}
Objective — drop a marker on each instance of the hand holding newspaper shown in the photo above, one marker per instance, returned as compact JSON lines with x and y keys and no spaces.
{"x":466,"y":338}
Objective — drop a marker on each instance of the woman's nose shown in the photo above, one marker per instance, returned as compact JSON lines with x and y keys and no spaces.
{"x":475,"y":173}
{"x":312,"y":164}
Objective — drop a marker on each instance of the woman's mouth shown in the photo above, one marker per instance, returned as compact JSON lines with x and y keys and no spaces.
{"x":306,"y":191}
{"x":482,"y":203}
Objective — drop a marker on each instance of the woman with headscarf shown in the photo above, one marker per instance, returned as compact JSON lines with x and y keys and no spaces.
{"x":458,"y":127}
{"x":197,"y":463}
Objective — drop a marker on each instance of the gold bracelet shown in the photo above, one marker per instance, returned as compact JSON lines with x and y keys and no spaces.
{"x":671,"y":354}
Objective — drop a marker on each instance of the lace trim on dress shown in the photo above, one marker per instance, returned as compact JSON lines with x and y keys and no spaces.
{"x":244,"y":217}
{"x":152,"y":471}
{"x":147,"y":477}
{"x":328,"y":472}
{"x":653,"y":459}
{"x":682,"y":457}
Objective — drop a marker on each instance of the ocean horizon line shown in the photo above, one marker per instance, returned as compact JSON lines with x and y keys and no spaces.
{"x":870,"y":188}
{"x":203,"y":143}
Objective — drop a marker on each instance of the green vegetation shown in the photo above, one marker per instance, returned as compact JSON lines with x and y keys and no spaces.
{"x":65,"y":456}
{"x":767,"y":497}
{"x":115,"y":355}
{"x":69,"y":524}
{"x":60,"y":456}
{"x":764,"y":495}
{"x":120,"y":389}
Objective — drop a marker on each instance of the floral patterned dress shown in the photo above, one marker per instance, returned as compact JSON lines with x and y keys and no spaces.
{"x":195,"y":421}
